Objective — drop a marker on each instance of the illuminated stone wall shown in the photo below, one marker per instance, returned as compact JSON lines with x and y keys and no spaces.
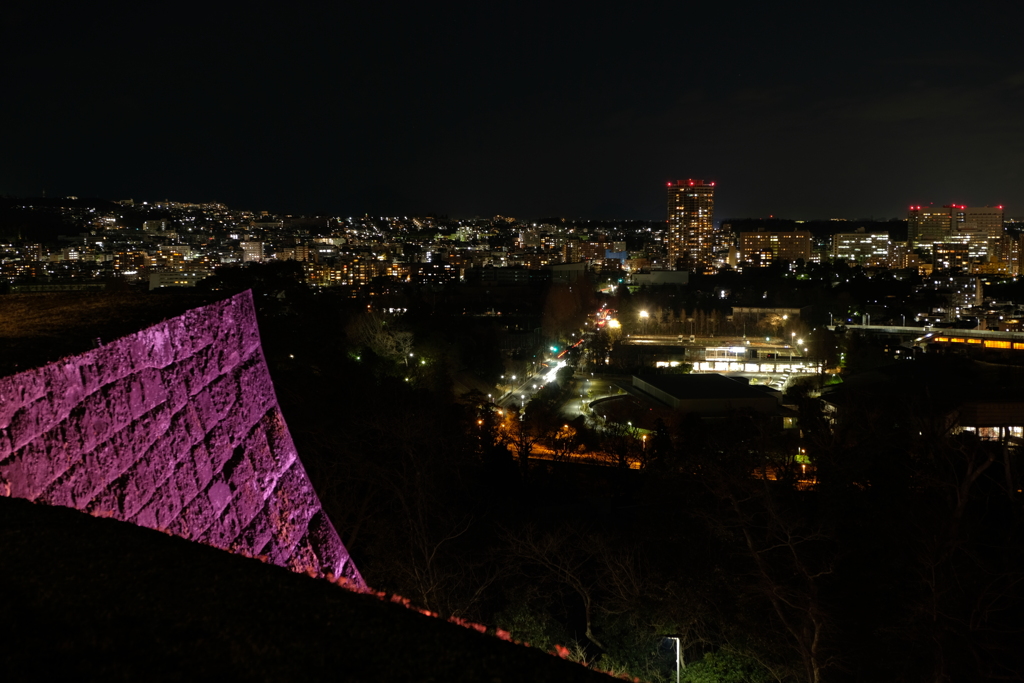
{"x":176,"y":428}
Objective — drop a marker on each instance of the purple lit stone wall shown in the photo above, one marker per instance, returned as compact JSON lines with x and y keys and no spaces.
{"x":175,"y":428}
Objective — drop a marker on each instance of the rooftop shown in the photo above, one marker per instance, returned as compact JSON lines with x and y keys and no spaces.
{"x":705,"y":386}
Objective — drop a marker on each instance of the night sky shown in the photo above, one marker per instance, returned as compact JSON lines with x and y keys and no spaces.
{"x":801,"y":110}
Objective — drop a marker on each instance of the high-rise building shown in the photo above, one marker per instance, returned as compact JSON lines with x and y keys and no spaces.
{"x":982,"y":229}
{"x":691,"y":229}
{"x":927,"y":225}
{"x":978,"y":227}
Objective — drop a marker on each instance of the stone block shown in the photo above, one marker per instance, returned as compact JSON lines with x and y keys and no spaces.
{"x":151,"y":392}
{"x":145,"y":517}
{"x":19,"y":390}
{"x":166,"y":503}
{"x":104,"y":466}
{"x":302,"y":557}
{"x":225,"y":356}
{"x":29,"y":471}
{"x":279,"y":438}
{"x":111,"y":362}
{"x":92,"y":376}
{"x":198,"y":515}
{"x":224,"y":530}
{"x":177,"y":389}
{"x":247,"y":502}
{"x":238,"y":470}
{"x":86,"y":483}
{"x":6,"y":448}
{"x":152,"y":348}
{"x":220,"y":443}
{"x":149,"y":473}
{"x":60,"y":491}
{"x":28,"y":423}
{"x":68,"y":432}
{"x":223,"y":395}
{"x":66,"y":390}
{"x":106,"y":504}
{"x":202,"y":465}
{"x":129,"y":495}
{"x":184,"y":479}
{"x":255,"y":384}
{"x":93,"y":420}
{"x":257,"y":449}
{"x":219,"y":495}
{"x":255,"y":535}
{"x":202,"y":407}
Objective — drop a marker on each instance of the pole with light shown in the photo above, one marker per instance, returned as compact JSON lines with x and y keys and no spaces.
{"x":679,"y":658}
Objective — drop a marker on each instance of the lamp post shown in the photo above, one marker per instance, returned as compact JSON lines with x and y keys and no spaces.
{"x":679,"y":659}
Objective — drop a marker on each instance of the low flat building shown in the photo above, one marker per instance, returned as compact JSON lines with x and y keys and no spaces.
{"x":709,"y":394}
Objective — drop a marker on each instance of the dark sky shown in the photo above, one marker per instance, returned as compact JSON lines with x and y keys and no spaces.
{"x":801,"y":110}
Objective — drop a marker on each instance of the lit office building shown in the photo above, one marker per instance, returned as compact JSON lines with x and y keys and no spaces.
{"x":864,"y":248}
{"x":759,"y":249}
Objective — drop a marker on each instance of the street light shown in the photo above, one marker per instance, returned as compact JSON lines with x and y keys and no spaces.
{"x":678,"y":657}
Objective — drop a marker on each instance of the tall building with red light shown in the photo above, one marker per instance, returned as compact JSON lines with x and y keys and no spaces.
{"x":980,"y":228}
{"x":927,"y":225}
{"x":691,"y":229}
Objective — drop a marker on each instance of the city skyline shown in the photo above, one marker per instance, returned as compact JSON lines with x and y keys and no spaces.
{"x":526,"y":111}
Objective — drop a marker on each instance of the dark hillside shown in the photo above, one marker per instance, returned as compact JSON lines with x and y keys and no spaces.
{"x":97,"y":599}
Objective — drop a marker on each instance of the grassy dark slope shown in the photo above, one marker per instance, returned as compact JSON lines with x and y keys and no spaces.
{"x":104,"y":600}
{"x":36,"y":329}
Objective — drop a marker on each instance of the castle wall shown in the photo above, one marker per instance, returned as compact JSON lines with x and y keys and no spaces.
{"x":176,"y":428}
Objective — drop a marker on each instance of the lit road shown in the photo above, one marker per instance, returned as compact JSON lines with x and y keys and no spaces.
{"x":524,"y":388}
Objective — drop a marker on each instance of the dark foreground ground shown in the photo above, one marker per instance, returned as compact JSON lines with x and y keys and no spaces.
{"x":96,"y":599}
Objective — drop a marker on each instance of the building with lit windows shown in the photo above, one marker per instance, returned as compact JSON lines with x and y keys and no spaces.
{"x":759,"y":249}
{"x":252,"y":252}
{"x":951,"y":256}
{"x":980,"y":228}
{"x":927,"y":225}
{"x":176,"y":278}
{"x":861,"y":247}
{"x":691,"y":238}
